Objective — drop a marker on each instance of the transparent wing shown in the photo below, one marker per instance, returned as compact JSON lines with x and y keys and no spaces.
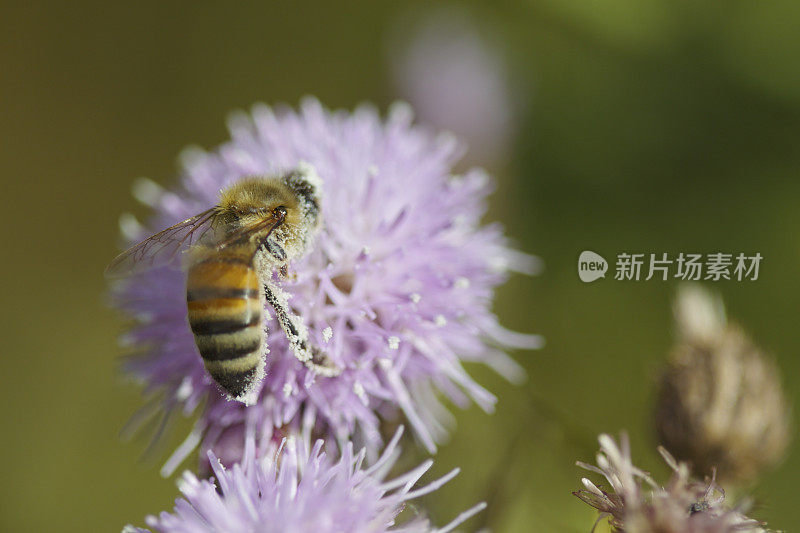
{"x":245,"y":233}
{"x":162,"y":247}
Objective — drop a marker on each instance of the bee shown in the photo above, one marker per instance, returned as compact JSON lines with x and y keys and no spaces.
{"x":231,"y":253}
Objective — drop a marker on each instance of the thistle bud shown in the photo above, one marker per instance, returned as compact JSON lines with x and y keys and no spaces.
{"x":720,"y":403}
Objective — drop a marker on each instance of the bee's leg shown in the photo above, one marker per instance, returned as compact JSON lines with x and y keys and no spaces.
{"x":275,"y":250}
{"x":291,"y":325}
{"x":297,"y":334}
{"x":279,"y":254}
{"x":291,"y":275}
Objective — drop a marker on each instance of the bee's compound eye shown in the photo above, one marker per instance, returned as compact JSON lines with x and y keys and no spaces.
{"x":279,"y":212}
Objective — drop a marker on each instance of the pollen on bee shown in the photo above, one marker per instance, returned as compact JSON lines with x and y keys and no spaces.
{"x":309,"y":172}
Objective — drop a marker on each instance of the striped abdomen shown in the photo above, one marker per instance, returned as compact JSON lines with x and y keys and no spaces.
{"x":223,"y":296}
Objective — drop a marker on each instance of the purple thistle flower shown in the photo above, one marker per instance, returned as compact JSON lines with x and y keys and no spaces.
{"x":397,"y":288}
{"x":457,"y":80}
{"x":298,"y":489}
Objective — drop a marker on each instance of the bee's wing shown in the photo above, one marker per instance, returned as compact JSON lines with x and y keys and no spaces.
{"x":243,"y":234}
{"x":161,"y":248}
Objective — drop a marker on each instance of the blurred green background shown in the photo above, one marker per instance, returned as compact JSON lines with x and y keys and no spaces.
{"x":650,"y":126}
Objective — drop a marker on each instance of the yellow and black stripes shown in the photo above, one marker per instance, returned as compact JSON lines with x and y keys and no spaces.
{"x":225,"y":315}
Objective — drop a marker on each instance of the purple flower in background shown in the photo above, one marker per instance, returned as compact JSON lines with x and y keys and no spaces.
{"x":456,"y":79}
{"x":397,"y":288}
{"x":300,"y":490}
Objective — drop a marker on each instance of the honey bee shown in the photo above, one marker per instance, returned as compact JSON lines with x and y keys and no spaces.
{"x":232,"y":251}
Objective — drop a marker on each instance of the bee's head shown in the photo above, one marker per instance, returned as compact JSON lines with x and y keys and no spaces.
{"x":291,"y":201}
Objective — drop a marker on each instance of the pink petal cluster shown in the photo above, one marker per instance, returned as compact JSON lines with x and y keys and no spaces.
{"x":297,"y":487}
